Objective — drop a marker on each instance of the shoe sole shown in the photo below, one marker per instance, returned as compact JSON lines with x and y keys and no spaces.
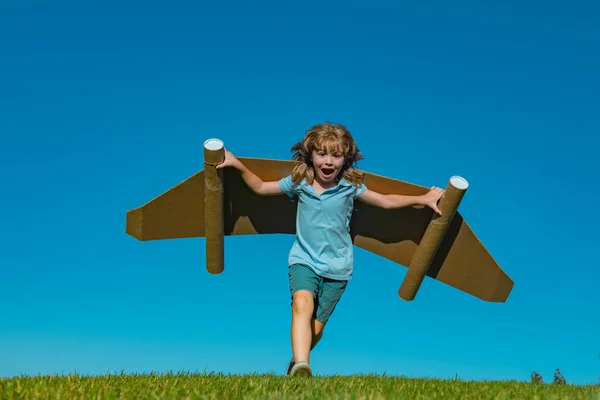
{"x":301,"y":369}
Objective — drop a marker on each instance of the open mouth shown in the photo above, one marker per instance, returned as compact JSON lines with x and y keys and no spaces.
{"x":327,"y":172}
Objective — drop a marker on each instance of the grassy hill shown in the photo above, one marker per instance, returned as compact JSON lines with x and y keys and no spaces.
{"x":221,"y":386}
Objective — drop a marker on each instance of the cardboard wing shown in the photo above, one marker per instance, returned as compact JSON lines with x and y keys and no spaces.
{"x":216,"y":203}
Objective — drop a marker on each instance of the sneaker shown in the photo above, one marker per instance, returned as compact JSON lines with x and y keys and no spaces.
{"x":301,"y":369}
{"x":290,"y":366}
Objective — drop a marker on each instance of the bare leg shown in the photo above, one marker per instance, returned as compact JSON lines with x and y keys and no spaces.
{"x":317,"y":332}
{"x":316,"y":335}
{"x":302,"y":311}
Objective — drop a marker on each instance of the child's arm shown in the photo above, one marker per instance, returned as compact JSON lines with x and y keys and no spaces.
{"x":389,"y":201}
{"x":253,"y":181}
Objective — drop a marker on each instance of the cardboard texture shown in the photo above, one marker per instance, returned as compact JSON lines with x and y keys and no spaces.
{"x":461,"y":261}
{"x":214,"y":153}
{"x":432,"y":238}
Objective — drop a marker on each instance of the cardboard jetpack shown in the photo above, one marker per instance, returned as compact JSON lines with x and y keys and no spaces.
{"x":214,"y":203}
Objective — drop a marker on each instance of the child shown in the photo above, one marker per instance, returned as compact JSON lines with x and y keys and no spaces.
{"x":326,"y":183}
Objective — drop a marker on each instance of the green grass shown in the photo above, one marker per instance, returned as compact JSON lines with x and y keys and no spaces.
{"x":221,"y":386}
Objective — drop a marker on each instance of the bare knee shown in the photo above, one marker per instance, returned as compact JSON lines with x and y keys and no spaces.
{"x":302,"y":303}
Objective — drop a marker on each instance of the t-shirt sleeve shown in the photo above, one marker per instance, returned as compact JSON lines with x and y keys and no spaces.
{"x":359,"y":190}
{"x":288,"y":186}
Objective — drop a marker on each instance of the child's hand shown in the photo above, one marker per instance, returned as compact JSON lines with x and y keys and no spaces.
{"x":431,"y":198}
{"x":230,"y":160}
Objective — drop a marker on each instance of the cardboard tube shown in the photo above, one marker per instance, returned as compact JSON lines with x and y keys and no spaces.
{"x":214,"y":154}
{"x":433,"y":237}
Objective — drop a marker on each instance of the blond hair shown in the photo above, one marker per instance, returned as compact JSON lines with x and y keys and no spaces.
{"x":328,"y":137}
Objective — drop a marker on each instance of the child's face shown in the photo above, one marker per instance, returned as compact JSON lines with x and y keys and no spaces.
{"x":328,"y":164}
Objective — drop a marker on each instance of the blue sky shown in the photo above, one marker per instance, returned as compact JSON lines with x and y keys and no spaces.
{"x":105,"y":105}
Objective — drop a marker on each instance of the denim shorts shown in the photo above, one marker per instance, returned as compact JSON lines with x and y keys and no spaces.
{"x":326,"y":292}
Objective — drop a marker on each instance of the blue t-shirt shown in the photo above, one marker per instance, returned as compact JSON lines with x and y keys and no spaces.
{"x":323,"y":239}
